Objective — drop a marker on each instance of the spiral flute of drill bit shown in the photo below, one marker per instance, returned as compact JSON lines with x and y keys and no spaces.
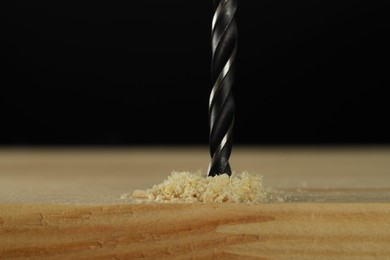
{"x":221,"y":103}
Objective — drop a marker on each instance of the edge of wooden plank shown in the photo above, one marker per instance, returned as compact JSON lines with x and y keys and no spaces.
{"x":198,"y":230}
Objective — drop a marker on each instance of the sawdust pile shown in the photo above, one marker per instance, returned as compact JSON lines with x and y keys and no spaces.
{"x":186,"y":187}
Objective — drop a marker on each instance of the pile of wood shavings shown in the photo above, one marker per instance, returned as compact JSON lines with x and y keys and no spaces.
{"x":186,"y":187}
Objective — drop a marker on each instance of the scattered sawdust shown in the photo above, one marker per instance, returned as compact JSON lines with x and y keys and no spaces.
{"x":186,"y":187}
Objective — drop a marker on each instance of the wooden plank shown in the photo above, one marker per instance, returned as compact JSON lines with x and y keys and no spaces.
{"x":65,"y":203}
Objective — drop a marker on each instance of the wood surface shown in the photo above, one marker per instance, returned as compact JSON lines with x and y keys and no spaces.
{"x":65,"y":204}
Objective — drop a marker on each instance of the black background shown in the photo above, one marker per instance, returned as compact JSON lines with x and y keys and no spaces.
{"x":138,"y":72}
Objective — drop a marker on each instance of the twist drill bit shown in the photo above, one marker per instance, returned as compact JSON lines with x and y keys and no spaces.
{"x":221,"y":102}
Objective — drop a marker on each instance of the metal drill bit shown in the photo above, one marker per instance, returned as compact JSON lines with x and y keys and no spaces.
{"x":221,"y":103}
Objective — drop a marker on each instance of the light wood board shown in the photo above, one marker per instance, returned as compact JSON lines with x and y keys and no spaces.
{"x":65,"y":204}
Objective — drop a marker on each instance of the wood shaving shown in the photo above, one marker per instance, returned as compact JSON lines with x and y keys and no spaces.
{"x":187,"y":187}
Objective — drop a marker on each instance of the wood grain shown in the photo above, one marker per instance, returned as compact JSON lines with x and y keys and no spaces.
{"x":65,"y":204}
{"x":196,"y":231}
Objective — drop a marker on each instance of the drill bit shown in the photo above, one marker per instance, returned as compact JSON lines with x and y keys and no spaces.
{"x":221,"y":102}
